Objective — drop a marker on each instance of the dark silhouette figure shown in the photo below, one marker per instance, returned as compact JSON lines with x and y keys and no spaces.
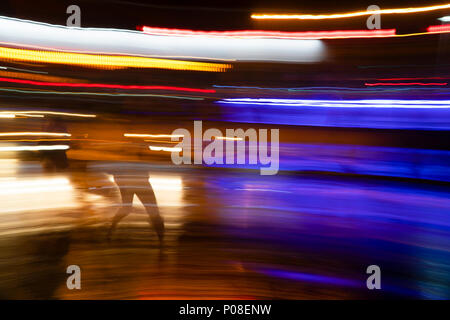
{"x":130,"y":185}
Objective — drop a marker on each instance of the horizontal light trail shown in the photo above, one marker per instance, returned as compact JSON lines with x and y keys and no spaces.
{"x":105,"y":61}
{"x":34,"y":148}
{"x":105,"y":86}
{"x":46,"y":134}
{"x":406,"y":84}
{"x":348,"y":14}
{"x":168,"y":149}
{"x":414,"y":104}
{"x":38,"y":77}
{"x":42,"y":112}
{"x":34,"y":186}
{"x":7,"y":115}
{"x":400,"y":79}
{"x":101,"y":94}
{"x":138,"y":47}
{"x":439,"y":29}
{"x":243,"y":34}
{"x":229,"y":138}
{"x":141,"y":135}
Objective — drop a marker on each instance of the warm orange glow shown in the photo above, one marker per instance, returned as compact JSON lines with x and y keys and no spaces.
{"x":106,"y":61}
{"x":38,"y":77}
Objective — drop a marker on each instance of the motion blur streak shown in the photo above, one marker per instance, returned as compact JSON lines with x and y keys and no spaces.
{"x":349,"y":14}
{"x":34,"y":194}
{"x":69,"y":93}
{"x":402,"y":114}
{"x":34,"y":148}
{"x":106,"y":86}
{"x":439,"y":29}
{"x":105,"y":61}
{"x":406,"y":84}
{"x":438,"y":104}
{"x":142,"y":135}
{"x":22,"y":33}
{"x":229,"y":138}
{"x":337,"y":34}
{"x":56,"y":113}
{"x":398,"y":79}
{"x":49,"y":134}
{"x":297,"y":276}
{"x":168,"y":149}
{"x":34,"y":186}
{"x":39,"y":77}
{"x":89,"y":177}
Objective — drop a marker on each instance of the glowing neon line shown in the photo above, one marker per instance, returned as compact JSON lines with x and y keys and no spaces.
{"x":50,"y":112}
{"x":336,"y":34}
{"x":139,"y":135}
{"x":402,"y":104}
{"x":399,"y":79}
{"x":323,"y":88}
{"x":34,"y":148}
{"x":168,"y":149}
{"x":49,"y":134}
{"x":106,"y":86}
{"x":348,"y":14}
{"x":406,"y":84}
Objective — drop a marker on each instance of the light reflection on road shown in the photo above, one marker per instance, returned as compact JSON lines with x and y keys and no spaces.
{"x":228,"y":235}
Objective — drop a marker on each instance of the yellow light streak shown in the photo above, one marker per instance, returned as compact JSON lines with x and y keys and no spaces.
{"x":47,"y":134}
{"x":106,"y":61}
{"x":34,"y":148}
{"x":139,"y":135}
{"x":348,"y":14}
{"x":40,"y":113}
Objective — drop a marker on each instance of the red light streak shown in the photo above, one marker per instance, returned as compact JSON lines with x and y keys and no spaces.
{"x":406,"y":84}
{"x":399,"y":79}
{"x":105,"y":86}
{"x":439,"y":29}
{"x":273,"y":34}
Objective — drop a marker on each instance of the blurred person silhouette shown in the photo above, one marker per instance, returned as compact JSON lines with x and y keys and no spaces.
{"x":53,"y":160}
{"x":135,"y":181}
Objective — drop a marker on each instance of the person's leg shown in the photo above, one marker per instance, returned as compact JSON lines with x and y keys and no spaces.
{"x":125,"y":209}
{"x":148,"y":199}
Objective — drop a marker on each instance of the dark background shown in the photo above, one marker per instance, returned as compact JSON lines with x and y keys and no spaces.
{"x":210,"y":15}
